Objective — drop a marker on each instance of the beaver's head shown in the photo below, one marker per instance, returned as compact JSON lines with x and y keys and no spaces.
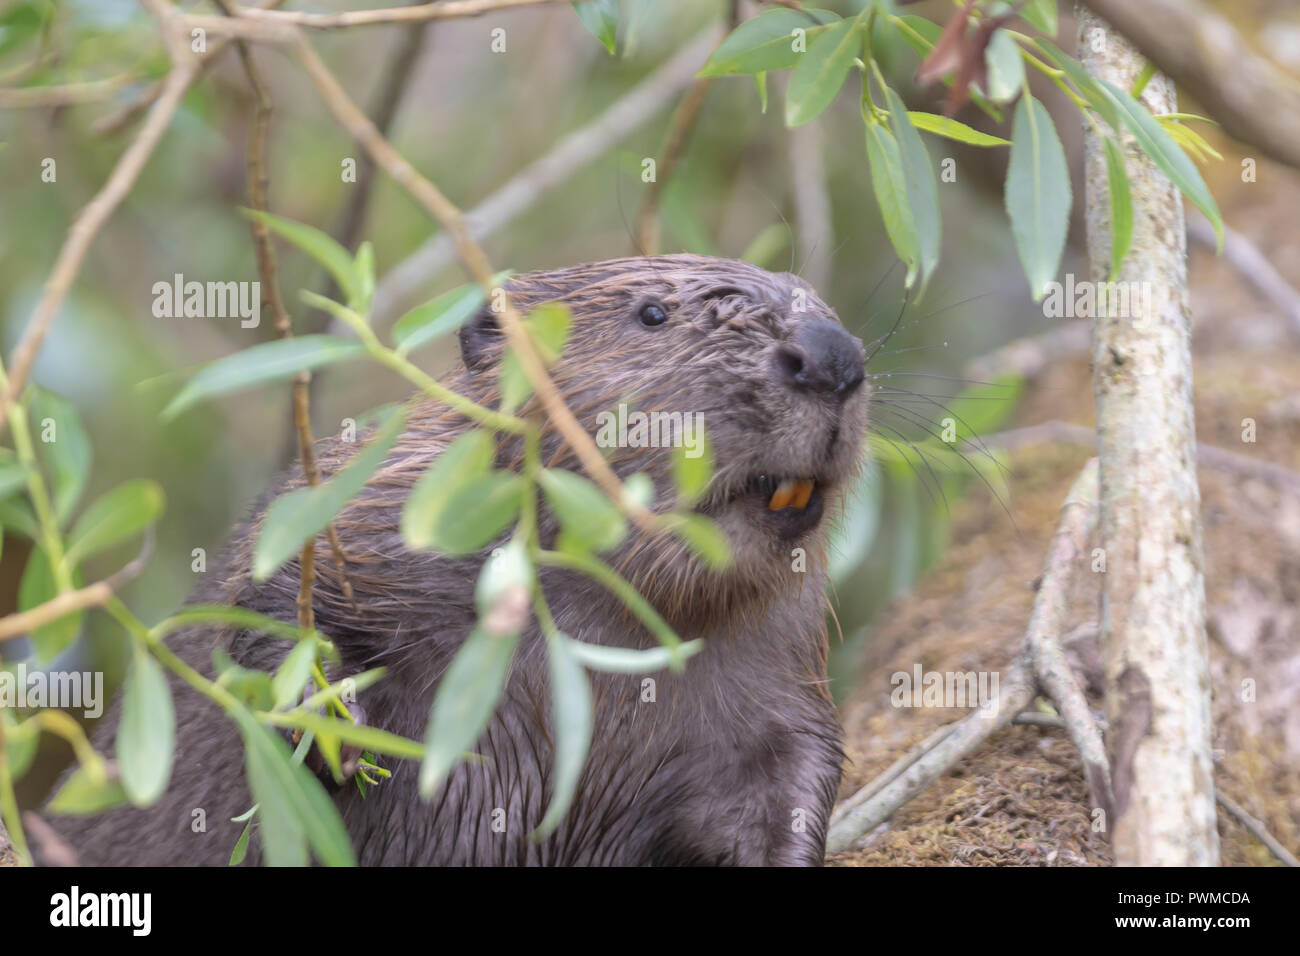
{"x":756,"y":357}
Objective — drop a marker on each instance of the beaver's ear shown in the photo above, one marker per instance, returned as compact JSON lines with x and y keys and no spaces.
{"x":480,"y":338}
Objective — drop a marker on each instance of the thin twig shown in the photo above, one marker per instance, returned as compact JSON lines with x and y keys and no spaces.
{"x":258,"y":198}
{"x":67,"y":94}
{"x":422,"y":13}
{"x":1251,"y":264}
{"x":1256,"y":828}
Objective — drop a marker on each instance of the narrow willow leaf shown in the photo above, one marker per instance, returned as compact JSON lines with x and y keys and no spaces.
{"x":1085,"y":82}
{"x":437,"y":317}
{"x":705,"y":539}
{"x":292,"y":675}
{"x":294,"y":517}
{"x":13,"y":478}
{"x":590,"y":520}
{"x":508,"y":572}
{"x":821,"y":72}
{"x":367,"y":738}
{"x":760,"y":83}
{"x":624,"y":660}
{"x":16,"y":514}
{"x":320,"y":247}
{"x":1037,"y":194}
{"x":601,"y":18}
{"x":240,"y":852}
{"x":951,"y":128}
{"x":548,"y":325}
{"x":769,"y":41}
{"x":1164,"y":152}
{"x":571,"y":720}
{"x":81,"y":796}
{"x":1006,"y":68}
{"x":922,"y":190}
{"x":465,"y":461}
{"x":292,"y":804}
{"x":146,"y":737}
{"x":63,"y":445}
{"x":477,"y":514}
{"x":114,"y":517}
{"x":269,"y":362}
{"x":36,"y":587}
{"x":1041,"y":14}
{"x":467,"y":695}
{"x":890,"y":188}
{"x":692,"y":466}
{"x":1121,"y":207}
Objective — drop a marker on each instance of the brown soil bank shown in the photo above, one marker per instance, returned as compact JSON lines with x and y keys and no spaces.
{"x":1021,"y":799}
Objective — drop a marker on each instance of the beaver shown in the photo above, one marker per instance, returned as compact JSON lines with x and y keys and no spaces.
{"x":736,"y":759}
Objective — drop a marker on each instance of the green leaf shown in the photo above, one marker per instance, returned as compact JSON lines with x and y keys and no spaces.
{"x":37,"y":587}
{"x":922,"y":190}
{"x":548,"y":325}
{"x":64,"y":446}
{"x":571,"y":720}
{"x":821,"y":72}
{"x":890,"y":187}
{"x":601,"y":18}
{"x":467,"y":696}
{"x":146,"y":737}
{"x":240,"y":851}
{"x":1121,"y":207}
{"x":292,"y":805}
{"x":251,"y":686}
{"x":477,"y":514}
{"x":951,"y":128}
{"x":506,"y":570}
{"x":367,"y":738}
{"x":1083,"y":80}
{"x":364,"y":264}
{"x":760,"y":84}
{"x":1041,"y":14}
{"x":304,"y":512}
{"x":693,"y":467}
{"x":589,"y":518}
{"x":624,"y":660}
{"x":1006,"y":69}
{"x":293,"y":673}
{"x":81,"y":796}
{"x":767,"y":42}
{"x":320,"y":247}
{"x":274,"y":361}
{"x":465,"y":461}
{"x":17,"y":515}
{"x":705,"y":539}
{"x":21,"y":742}
{"x":1164,"y":152}
{"x":1037,"y":194}
{"x":115,"y":516}
{"x":437,"y":317}
{"x":13,"y":478}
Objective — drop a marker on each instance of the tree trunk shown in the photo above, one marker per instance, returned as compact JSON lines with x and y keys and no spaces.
{"x":1153,"y":595}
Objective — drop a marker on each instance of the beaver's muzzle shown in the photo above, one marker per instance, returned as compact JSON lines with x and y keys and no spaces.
{"x":821,"y":357}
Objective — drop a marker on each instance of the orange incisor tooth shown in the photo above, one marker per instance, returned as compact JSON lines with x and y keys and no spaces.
{"x":802,"y":492}
{"x":782,"y":496}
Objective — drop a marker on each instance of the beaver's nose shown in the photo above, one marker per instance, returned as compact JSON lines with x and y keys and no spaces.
{"x":821,"y":357}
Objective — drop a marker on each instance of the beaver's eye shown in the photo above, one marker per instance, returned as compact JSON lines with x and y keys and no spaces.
{"x":652,"y":314}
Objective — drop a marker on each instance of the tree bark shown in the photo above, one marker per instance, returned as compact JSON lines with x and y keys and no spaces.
{"x":1153,"y":596}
